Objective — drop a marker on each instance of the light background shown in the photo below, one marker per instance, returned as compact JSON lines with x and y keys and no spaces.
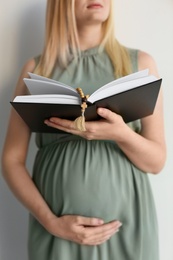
{"x":146,"y":25}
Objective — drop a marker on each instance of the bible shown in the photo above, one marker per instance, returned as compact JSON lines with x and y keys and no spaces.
{"x":133,"y":97}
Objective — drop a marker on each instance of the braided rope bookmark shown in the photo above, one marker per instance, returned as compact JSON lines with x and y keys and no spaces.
{"x":80,"y":121}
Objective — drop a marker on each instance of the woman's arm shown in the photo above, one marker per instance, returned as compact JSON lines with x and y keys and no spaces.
{"x":14,"y":157}
{"x":18,"y":178}
{"x":146,"y":150}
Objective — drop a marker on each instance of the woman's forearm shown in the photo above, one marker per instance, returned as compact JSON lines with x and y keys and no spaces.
{"x":147,"y":155}
{"x":21,"y":184}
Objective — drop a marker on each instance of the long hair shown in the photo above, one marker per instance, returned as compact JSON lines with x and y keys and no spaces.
{"x":61,"y":40}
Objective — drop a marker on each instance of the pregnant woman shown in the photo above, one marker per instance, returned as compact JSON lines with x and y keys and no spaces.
{"x":87,"y":185}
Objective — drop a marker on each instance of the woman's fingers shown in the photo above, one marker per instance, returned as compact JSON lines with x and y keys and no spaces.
{"x":109,"y":127}
{"x":62,"y":124}
{"x":84,"y":230}
{"x":92,"y":231}
{"x":102,"y":233}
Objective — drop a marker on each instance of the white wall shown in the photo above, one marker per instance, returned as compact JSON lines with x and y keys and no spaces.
{"x":148,"y":26}
{"x":21,"y":37}
{"x":141,"y":24}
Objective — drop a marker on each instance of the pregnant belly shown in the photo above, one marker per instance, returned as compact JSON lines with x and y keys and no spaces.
{"x":88,"y":178}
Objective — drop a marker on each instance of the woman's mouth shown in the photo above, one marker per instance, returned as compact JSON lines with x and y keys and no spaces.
{"x":94,"y":6}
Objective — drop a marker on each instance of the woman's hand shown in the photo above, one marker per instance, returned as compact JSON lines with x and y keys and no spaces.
{"x":83,"y":230}
{"x":110,"y":127}
{"x":146,"y":150}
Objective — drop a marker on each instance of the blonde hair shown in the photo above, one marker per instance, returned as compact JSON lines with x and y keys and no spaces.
{"x":61,"y":40}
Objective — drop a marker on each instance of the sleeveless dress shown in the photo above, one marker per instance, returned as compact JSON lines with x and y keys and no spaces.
{"x":93,"y":179}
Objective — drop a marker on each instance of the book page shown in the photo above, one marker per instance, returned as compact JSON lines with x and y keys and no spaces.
{"x":133,"y":76}
{"x":119,"y":88}
{"x":37,"y":87}
{"x":48,"y":99}
{"x":38,"y":77}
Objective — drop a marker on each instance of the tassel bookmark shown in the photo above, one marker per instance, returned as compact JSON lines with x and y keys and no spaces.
{"x":80,"y":121}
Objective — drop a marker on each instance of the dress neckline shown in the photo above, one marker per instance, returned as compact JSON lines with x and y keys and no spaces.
{"x":91,"y":51}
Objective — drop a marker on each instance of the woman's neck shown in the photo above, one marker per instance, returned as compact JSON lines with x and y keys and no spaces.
{"x":89,"y":37}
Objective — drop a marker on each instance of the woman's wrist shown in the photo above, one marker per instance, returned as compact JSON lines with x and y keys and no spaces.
{"x":121,"y":133}
{"x":46,"y":219}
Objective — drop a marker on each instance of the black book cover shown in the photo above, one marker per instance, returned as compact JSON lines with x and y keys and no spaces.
{"x":132,"y":104}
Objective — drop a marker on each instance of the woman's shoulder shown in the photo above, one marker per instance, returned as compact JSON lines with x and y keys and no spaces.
{"x":140,"y":55}
{"x":29,"y":65}
{"x":146,"y":60}
{"x":142,"y":60}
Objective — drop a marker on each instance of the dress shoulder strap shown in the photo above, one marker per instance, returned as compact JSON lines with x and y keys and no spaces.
{"x":134,"y":58}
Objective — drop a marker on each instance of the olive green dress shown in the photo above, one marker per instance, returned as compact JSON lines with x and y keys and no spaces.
{"x":94,"y":179}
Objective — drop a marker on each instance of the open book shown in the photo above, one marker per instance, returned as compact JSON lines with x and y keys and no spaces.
{"x":133,"y":97}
